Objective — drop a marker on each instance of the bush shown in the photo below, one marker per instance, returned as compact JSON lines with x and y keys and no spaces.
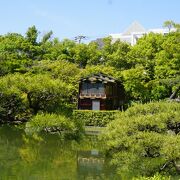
{"x":94,"y":118}
{"x":152,"y":108}
{"x":53,"y":123}
{"x":145,"y":139}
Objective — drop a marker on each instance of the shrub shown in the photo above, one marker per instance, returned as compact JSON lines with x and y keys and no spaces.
{"x":145,"y":139}
{"x":94,"y":118}
{"x":53,"y":123}
{"x":152,"y":108}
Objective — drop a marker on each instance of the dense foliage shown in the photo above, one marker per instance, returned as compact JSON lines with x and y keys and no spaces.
{"x":25,"y":95}
{"x":39,"y":83}
{"x":42,"y":75}
{"x":149,"y":70}
{"x":94,"y":118}
{"x":146,"y":139}
{"x":54,"y":123}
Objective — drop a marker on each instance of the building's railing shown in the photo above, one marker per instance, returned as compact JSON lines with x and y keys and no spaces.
{"x":92,"y":95}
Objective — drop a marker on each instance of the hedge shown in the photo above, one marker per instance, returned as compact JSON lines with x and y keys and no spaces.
{"x":94,"y":118}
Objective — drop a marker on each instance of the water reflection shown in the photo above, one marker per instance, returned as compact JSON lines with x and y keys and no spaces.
{"x":90,"y":162}
{"x":49,"y":157}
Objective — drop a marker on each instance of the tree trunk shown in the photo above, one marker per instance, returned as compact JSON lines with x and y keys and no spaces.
{"x":173,"y":95}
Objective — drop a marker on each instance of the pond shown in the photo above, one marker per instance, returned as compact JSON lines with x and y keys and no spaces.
{"x":47,"y":156}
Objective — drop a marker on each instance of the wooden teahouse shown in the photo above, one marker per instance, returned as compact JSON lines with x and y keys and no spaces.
{"x":100,"y":92}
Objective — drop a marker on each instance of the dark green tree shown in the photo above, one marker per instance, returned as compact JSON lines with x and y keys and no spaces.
{"x":145,"y":139}
{"x":32,"y":34}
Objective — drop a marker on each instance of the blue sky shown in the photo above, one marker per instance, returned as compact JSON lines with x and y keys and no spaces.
{"x":92,"y":18}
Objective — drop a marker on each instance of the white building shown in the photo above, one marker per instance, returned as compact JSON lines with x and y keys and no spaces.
{"x":136,"y":31}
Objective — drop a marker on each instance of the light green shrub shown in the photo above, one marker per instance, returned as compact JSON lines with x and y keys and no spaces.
{"x":53,"y":123}
{"x":94,"y":118}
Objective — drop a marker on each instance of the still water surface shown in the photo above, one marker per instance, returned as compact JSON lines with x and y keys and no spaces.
{"x":45,"y":156}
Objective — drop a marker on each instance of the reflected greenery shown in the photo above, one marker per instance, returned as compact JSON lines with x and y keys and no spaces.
{"x":47,"y":156}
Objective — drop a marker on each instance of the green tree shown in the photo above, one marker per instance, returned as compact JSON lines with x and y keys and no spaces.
{"x":23,"y":96}
{"x":145,"y":139}
{"x":32,"y":34}
{"x":13,"y":53}
{"x":168,"y":59}
{"x":169,"y":24}
{"x":95,"y":55}
{"x":135,"y":81}
{"x":67,"y":50}
{"x":177,"y":26}
{"x":144,"y":52}
{"x":81,"y":55}
{"x":119,"y":58}
{"x":13,"y":103}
